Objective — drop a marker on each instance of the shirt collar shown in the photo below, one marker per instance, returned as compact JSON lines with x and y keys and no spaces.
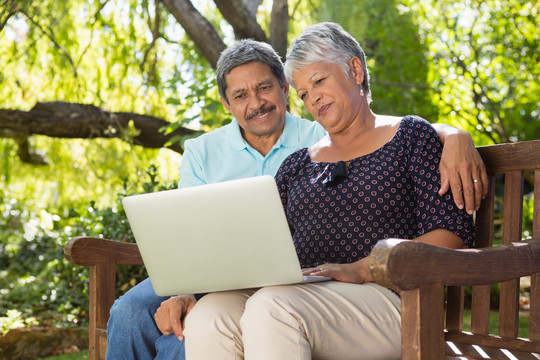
{"x":289,"y":137}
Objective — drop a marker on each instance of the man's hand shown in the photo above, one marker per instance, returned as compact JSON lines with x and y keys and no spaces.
{"x":171,"y":315}
{"x":462,"y":170}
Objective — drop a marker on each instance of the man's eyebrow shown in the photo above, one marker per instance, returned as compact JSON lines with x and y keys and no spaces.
{"x":243,"y":90}
{"x":238,"y":91}
{"x":266,"y":82}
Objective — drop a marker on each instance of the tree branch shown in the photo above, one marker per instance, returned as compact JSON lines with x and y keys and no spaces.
{"x":197,"y":28}
{"x":67,"y":120}
{"x":245,"y":25}
{"x":8,"y":8}
{"x":61,"y":49}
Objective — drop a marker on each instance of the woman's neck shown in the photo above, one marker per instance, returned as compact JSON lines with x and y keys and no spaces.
{"x":364,"y":136}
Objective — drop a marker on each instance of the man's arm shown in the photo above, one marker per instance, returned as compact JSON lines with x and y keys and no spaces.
{"x":191,"y":170}
{"x":462,"y":168}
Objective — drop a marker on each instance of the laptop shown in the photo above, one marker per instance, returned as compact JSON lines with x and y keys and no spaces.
{"x":215,"y":237}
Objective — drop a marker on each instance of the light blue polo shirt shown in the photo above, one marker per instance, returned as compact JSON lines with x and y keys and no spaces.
{"x":223,"y":154}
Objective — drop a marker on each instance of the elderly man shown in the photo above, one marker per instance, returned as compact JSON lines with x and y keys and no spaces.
{"x":253,"y":88}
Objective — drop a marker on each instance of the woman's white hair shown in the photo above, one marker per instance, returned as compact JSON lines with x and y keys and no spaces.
{"x":325,"y":42}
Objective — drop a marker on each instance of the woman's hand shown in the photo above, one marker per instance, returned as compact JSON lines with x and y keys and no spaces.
{"x":171,"y":315}
{"x":357,"y":272}
{"x":462,"y":170}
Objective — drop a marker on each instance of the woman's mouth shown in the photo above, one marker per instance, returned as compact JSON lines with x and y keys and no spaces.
{"x":324,"y":109}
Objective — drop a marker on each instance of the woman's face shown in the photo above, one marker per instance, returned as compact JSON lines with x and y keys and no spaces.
{"x":329,"y":95}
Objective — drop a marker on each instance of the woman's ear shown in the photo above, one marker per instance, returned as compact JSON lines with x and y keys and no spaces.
{"x":357,"y":70}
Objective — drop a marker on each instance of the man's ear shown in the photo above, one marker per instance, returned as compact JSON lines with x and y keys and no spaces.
{"x":286,"y":87}
{"x":357,"y":70}
{"x":225,"y":104}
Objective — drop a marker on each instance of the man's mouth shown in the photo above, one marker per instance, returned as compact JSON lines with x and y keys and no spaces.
{"x":260,"y":112}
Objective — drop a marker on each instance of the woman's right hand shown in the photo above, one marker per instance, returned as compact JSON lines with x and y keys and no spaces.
{"x":171,"y":315}
{"x":357,"y":272}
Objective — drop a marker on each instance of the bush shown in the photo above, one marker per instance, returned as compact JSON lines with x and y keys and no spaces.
{"x":35,"y":278}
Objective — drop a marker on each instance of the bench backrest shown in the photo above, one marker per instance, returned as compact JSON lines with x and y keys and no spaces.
{"x":519,"y":165}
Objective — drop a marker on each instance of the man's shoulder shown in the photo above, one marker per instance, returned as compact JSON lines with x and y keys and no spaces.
{"x":301,"y":121}
{"x":308,"y":131}
{"x":211,"y":136}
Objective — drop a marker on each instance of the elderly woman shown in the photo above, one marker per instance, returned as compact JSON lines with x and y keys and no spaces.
{"x":372,"y":177}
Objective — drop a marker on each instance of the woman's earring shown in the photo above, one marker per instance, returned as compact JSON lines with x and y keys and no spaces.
{"x":361,"y":92}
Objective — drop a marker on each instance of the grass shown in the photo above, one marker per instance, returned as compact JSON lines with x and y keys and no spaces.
{"x":523,"y":330}
{"x":83,"y":355}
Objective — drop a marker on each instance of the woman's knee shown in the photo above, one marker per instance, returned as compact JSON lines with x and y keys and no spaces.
{"x":217,"y":311}
{"x":270,"y":305}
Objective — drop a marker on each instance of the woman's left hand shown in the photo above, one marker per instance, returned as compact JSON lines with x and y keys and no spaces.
{"x":357,"y":272}
{"x":463,"y":171}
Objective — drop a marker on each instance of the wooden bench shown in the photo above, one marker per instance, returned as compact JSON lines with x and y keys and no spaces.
{"x":431,"y":280}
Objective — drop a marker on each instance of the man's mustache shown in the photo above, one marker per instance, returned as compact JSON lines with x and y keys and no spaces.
{"x":260,"y":111}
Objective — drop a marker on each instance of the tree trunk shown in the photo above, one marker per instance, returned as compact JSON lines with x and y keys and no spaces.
{"x":279,"y":27}
{"x":198,"y":29}
{"x":243,"y":22}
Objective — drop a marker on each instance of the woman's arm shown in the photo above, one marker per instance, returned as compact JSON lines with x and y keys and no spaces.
{"x":358,"y":272}
{"x":460,"y":166}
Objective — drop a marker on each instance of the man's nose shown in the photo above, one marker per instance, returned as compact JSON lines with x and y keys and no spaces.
{"x":256,"y":100}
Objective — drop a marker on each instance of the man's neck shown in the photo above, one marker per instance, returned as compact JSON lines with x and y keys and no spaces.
{"x":262,"y":143}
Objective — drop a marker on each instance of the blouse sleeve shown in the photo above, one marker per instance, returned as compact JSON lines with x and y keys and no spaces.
{"x":433,"y":211}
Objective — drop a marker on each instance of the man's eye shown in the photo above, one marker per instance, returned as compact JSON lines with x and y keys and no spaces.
{"x":239,"y":97}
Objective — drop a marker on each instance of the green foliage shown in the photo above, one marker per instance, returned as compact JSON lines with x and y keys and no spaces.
{"x":80,"y":169}
{"x":36,"y":279}
{"x":484,"y":65}
{"x":13,"y":320}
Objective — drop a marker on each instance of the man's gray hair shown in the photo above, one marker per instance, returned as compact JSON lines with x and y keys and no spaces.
{"x":243,"y":52}
{"x":325,"y":42}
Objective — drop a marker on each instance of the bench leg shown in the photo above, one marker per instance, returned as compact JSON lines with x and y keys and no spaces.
{"x":102,"y":296}
{"x":422,"y":322}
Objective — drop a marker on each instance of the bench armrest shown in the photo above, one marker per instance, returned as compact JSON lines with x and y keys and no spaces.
{"x":405,"y":264}
{"x":90,"y":251}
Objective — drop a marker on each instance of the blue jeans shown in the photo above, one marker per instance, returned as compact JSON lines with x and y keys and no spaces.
{"x":132,"y":333}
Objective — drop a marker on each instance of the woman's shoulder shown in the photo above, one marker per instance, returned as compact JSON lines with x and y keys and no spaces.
{"x":412,"y":126}
{"x":297,"y":158}
{"x":415,"y":121}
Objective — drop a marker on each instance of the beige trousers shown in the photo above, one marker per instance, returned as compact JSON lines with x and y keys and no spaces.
{"x":326,"y":320}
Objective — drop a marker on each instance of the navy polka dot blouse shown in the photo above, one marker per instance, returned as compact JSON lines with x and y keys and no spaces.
{"x":338,"y":211}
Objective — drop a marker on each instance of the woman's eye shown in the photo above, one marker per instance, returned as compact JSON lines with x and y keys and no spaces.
{"x":302,"y":97}
{"x":319,"y":81}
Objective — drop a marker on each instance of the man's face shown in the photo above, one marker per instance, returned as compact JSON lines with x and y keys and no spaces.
{"x":256,"y":100}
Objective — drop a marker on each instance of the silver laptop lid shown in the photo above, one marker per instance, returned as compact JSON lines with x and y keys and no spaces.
{"x":214,"y":237}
